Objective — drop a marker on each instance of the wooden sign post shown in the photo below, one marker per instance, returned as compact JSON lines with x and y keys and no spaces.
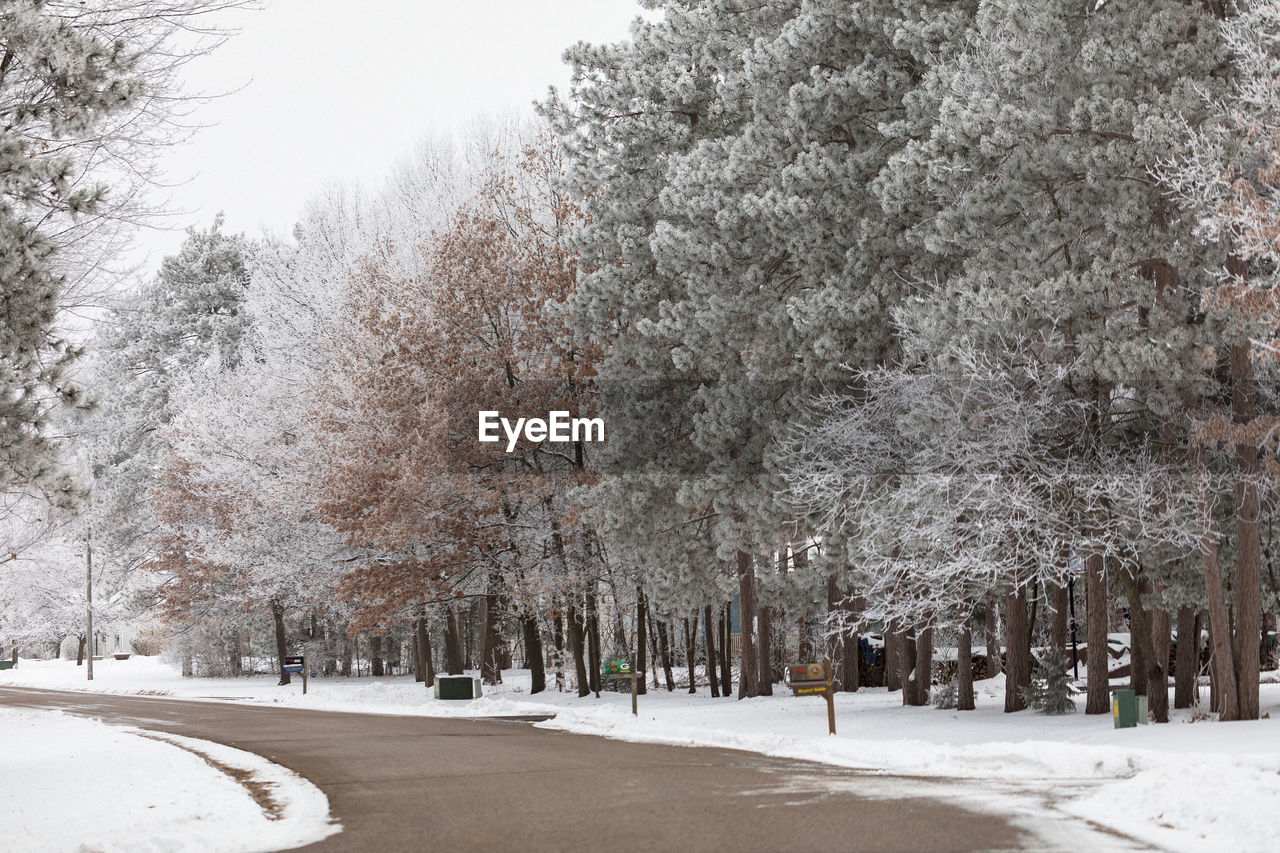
{"x":816,"y":679}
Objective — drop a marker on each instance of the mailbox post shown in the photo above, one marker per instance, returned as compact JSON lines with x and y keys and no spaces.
{"x":297,"y":665}
{"x":815,"y":679}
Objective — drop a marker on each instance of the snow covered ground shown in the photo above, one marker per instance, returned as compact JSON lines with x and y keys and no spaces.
{"x":73,"y":784}
{"x":1193,"y":785}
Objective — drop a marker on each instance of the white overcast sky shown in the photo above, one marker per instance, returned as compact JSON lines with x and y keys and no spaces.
{"x":339,"y":90}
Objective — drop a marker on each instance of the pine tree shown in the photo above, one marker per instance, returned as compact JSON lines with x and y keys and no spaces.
{"x":170,"y":336}
{"x":88,"y":94}
{"x":736,"y":253}
{"x":1059,"y":240}
{"x":1226,"y":174}
{"x":1050,"y":691}
{"x":60,"y":84}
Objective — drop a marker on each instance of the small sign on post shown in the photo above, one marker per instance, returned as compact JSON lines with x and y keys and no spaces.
{"x":815,"y":679}
{"x":622,"y":669}
{"x":296,"y":665}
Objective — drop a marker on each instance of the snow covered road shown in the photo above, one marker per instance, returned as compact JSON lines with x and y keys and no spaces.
{"x":413,"y":782}
{"x":1193,"y":785}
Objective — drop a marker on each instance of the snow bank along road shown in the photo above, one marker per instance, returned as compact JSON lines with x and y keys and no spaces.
{"x":416,"y":783}
{"x":76,"y":784}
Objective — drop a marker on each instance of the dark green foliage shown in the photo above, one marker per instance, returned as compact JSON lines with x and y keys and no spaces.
{"x":1050,"y":691}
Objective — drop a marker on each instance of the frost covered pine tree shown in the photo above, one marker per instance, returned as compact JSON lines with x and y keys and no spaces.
{"x":172,"y":333}
{"x":88,"y":94}
{"x":736,"y":254}
{"x":1037,"y":172}
{"x":1227,"y":175}
{"x":58,"y":85}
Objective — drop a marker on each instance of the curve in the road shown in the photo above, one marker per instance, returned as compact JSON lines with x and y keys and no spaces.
{"x":422,"y":783}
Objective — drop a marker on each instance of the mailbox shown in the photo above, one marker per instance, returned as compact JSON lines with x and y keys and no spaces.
{"x":806,"y":672}
{"x":808,"y":679}
{"x":293,"y":665}
{"x":815,"y":679}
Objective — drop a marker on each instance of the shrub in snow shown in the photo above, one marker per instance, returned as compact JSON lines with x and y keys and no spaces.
{"x":945,"y":695}
{"x":1050,"y":691}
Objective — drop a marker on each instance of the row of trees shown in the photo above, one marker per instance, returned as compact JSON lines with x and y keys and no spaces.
{"x":903,"y":317}
{"x":953,"y":291}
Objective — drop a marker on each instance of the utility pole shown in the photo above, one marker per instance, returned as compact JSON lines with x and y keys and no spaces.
{"x":88,"y":597}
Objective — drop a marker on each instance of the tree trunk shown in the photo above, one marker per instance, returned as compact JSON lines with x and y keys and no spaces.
{"x":425,"y":653}
{"x":711,"y":652}
{"x":664,"y":650}
{"x":557,"y":637}
{"x":577,"y":641}
{"x":1215,"y":689}
{"x":394,"y":645}
{"x":806,"y":641}
{"x":466,"y":633}
{"x":1018,"y":648}
{"x":1137,"y":650}
{"x":620,"y":639}
{"x":991,"y":632}
{"x":346,"y":657}
{"x":234,"y":659}
{"x":964,"y":669}
{"x":806,"y":652}
{"x":419,"y":666}
{"x":924,"y":668}
{"x":277,"y":617}
{"x":845,"y":651}
{"x":1220,"y":657}
{"x":642,"y":621}
{"x":749,"y":659}
{"x":907,"y":664}
{"x":653,"y":647}
{"x":765,"y":618}
{"x":533,"y":655}
{"x":1248,"y":585}
{"x":375,"y":654}
{"x":453,"y":652}
{"x":491,"y":635}
{"x":80,"y":653}
{"x":850,"y":650}
{"x":892,"y":655}
{"x":1098,"y":687}
{"x":1058,"y":629}
{"x":1187,"y":662}
{"x":1140,"y":638}
{"x":593,"y":643}
{"x":1161,"y":625}
{"x":691,"y":652}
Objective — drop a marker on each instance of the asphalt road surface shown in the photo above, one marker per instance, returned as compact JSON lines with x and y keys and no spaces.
{"x":422,"y":783}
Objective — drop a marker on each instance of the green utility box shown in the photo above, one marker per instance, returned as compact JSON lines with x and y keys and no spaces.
{"x":7,"y":664}
{"x":1128,"y":709}
{"x":457,"y":687}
